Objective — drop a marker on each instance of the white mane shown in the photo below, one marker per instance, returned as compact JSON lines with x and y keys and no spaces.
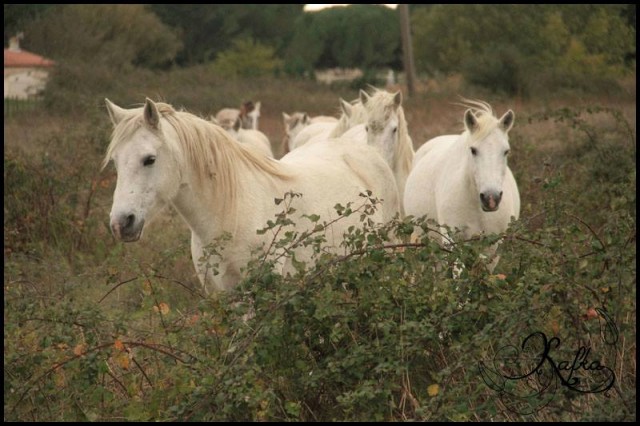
{"x":203,"y":146}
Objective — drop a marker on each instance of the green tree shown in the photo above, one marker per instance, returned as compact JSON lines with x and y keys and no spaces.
{"x":247,"y":58}
{"x":364,"y":36}
{"x":607,"y":34}
{"x":515,"y":47}
{"x":207,"y":30}
{"x":16,"y":16}
{"x":114,"y":36}
{"x":447,"y":35}
{"x":555,"y":37}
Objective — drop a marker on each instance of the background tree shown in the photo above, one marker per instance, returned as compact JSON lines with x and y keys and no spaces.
{"x":114,"y":36}
{"x":207,"y":30}
{"x":362,"y":36}
{"x":513,"y":47}
{"x":247,"y":58}
{"x":16,"y":16}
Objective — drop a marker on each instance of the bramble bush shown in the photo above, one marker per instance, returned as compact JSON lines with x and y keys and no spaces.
{"x":378,"y":333}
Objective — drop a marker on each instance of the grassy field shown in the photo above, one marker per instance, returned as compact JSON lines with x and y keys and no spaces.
{"x":99,"y":330}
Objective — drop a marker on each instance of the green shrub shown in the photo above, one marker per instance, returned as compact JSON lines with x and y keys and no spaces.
{"x":499,"y":68}
{"x":247,"y":58}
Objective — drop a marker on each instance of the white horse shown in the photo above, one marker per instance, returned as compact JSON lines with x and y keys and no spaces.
{"x":297,"y":121}
{"x":248,"y":115}
{"x":463,"y":181}
{"x":385,"y":129}
{"x":254,"y":139}
{"x":352,"y":114}
{"x":163,"y":156}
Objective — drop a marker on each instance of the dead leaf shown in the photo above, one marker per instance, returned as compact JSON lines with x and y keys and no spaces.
{"x":433,"y":390}
{"x":80,"y":349}
{"x":59,"y":378}
{"x":591,"y":313}
{"x":123,"y":360}
{"x":118,"y":345}
{"x":162,"y":308}
{"x":146,"y":287}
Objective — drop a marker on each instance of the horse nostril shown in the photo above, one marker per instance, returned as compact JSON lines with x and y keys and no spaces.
{"x":129,"y":221}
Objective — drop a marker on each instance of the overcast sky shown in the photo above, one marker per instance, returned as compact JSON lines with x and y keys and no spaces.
{"x":310,"y":7}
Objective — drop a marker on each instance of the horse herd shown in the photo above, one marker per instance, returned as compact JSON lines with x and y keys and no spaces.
{"x":221,"y":176}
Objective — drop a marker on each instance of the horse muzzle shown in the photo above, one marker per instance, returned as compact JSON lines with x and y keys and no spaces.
{"x":490,"y":201}
{"x":127,"y":228}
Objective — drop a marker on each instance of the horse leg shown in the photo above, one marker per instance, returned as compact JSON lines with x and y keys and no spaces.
{"x":448,"y":243}
{"x":492,"y":257}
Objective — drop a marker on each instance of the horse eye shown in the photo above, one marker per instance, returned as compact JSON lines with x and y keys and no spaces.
{"x":474,"y":151}
{"x":395,"y":129}
{"x":506,"y":152}
{"x":149,"y":160}
{"x":366,"y":128}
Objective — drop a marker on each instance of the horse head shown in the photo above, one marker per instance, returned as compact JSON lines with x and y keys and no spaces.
{"x":487,"y":144}
{"x":382,"y":124}
{"x":250,"y":113}
{"x":147,"y":167}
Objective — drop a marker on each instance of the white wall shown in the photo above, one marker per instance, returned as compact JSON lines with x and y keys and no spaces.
{"x":23,"y":83}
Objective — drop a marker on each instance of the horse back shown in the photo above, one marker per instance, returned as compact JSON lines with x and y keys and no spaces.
{"x":437,"y":143}
{"x":256,"y":139}
{"x":338,"y":163}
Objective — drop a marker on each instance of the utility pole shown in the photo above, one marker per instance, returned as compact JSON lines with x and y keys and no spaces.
{"x":407,"y":48}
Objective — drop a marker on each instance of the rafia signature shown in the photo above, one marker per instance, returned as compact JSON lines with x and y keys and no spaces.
{"x":528,"y":377}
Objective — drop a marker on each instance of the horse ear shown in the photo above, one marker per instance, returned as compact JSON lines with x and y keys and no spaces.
{"x":397,"y":98}
{"x":305,"y":118}
{"x":116,"y":114}
{"x":506,"y":122}
{"x":151,"y":114}
{"x":470,"y":121}
{"x":257,"y":106}
{"x":286,"y":117}
{"x":363,"y":97}
{"x":346,"y":107}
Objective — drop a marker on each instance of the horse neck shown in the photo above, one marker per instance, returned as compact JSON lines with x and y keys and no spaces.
{"x":197,"y":208}
{"x":210,"y":204}
{"x":460,"y":150}
{"x":341,"y":126}
{"x":246,"y":121}
{"x":404,"y":148}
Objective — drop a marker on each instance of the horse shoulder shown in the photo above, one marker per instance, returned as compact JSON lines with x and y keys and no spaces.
{"x":513,"y":194}
{"x":307,"y":133}
{"x":255,"y":139}
{"x":373,"y":172}
{"x":437,"y":143}
{"x":356,"y":134}
{"x":430,"y":178}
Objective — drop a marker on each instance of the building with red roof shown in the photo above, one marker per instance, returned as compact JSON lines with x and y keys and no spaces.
{"x":25,"y":73}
